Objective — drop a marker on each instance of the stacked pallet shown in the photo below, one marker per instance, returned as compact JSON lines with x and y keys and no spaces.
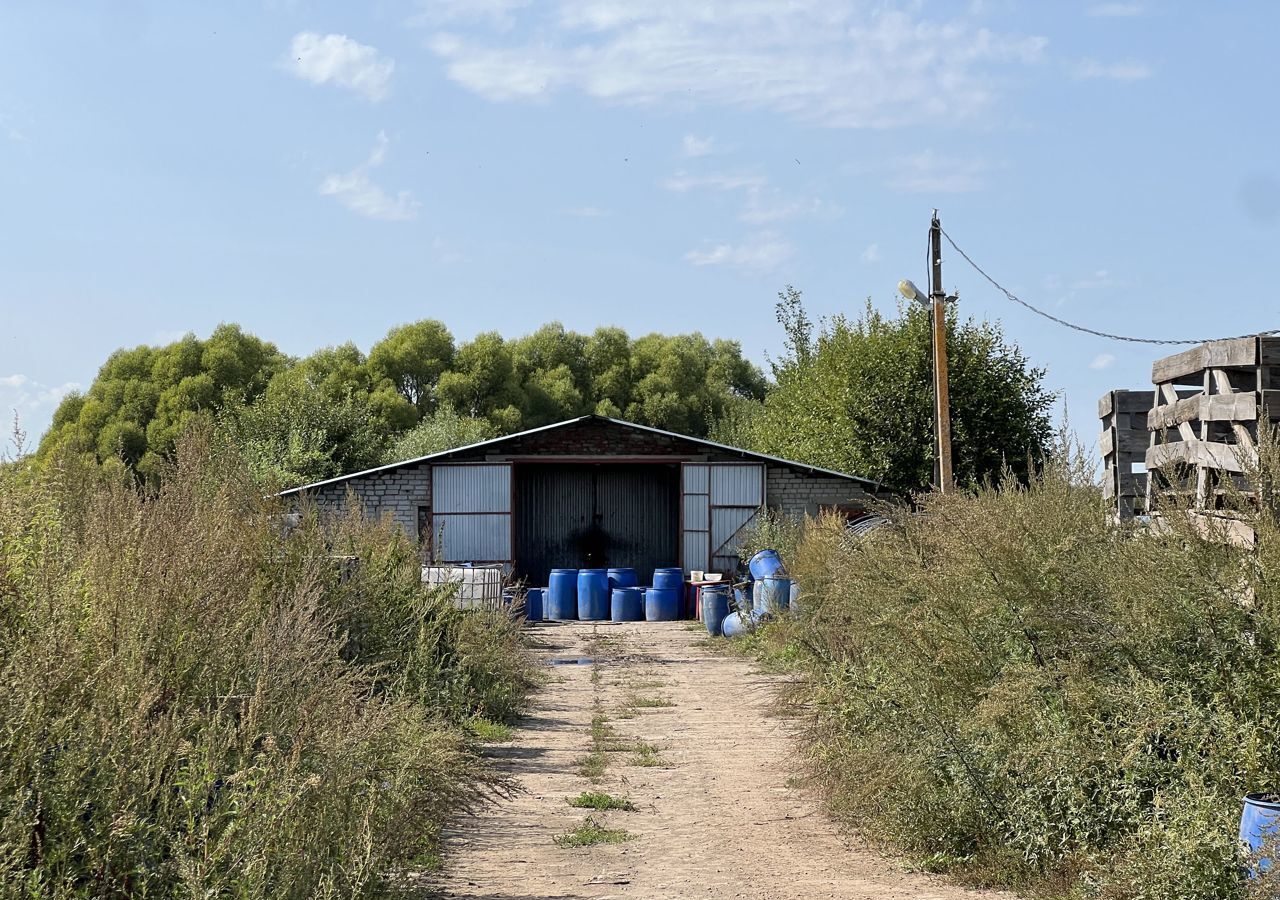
{"x":1124,"y":443}
{"x":1203,"y":426}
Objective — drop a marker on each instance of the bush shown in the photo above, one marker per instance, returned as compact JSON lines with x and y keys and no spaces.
{"x":1006,"y":686}
{"x":194,"y":703}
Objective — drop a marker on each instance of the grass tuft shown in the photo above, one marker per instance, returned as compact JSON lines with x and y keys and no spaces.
{"x":590,"y":833}
{"x":600,"y":801}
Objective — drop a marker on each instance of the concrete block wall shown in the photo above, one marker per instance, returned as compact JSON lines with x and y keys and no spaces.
{"x":396,"y":493}
{"x":797,"y":494}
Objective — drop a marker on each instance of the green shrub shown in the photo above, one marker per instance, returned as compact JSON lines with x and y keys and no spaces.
{"x":1007,"y":686}
{"x":183,"y":709}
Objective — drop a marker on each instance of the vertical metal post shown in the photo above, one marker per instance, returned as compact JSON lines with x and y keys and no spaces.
{"x":942,"y":402}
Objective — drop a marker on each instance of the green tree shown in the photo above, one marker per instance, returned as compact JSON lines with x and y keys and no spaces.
{"x":442,"y":430}
{"x":143,"y":398}
{"x":484,"y":382}
{"x":413,"y":357}
{"x":858,"y":398}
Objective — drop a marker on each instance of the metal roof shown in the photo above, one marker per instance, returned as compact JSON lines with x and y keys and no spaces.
{"x":493,"y":442}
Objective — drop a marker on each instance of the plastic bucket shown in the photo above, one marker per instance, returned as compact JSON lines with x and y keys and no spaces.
{"x":621,"y":578}
{"x":766,"y":564}
{"x":1259,"y":820}
{"x":533,"y":604}
{"x":626,"y":604}
{"x":662,"y":604}
{"x":715,"y":607}
{"x":772,"y":595}
{"x":561,"y":600}
{"x":593,"y":595}
{"x":667,"y":579}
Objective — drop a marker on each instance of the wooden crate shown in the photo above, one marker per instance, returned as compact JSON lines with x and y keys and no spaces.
{"x":1203,"y":424}
{"x":1123,"y":442}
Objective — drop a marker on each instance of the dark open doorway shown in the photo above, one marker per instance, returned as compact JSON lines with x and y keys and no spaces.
{"x":595,"y":515}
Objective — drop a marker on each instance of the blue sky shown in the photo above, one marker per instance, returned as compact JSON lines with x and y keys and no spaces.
{"x":319,"y":172}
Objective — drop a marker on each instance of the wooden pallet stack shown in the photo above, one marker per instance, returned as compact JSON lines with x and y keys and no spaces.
{"x":1124,"y":444}
{"x":1203,"y":426}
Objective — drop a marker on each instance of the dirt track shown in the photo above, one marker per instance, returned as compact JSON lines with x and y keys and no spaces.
{"x":716,"y":818}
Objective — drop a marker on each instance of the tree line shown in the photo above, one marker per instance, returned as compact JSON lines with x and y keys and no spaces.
{"x":416,"y":391}
{"x":850,"y":394}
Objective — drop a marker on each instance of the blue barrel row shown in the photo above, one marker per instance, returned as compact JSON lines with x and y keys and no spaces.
{"x":594,"y":595}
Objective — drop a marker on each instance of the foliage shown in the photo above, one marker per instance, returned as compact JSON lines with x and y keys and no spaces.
{"x":859,"y":398}
{"x":590,"y":833}
{"x":1008,"y":687}
{"x":144,"y":398}
{"x":337,"y":410}
{"x":195,"y":703}
{"x":600,"y":801}
{"x":442,"y":430}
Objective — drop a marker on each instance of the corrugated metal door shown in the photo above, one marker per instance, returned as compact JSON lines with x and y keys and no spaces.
{"x":471,"y":513}
{"x":720,"y":501}
{"x":587,"y":515}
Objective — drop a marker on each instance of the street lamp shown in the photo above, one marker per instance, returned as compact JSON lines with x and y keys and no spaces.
{"x":937,"y":297}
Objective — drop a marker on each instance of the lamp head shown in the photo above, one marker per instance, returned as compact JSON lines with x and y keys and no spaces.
{"x":911,"y":292}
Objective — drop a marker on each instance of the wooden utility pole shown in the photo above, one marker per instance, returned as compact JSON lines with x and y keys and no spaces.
{"x":942,"y":402}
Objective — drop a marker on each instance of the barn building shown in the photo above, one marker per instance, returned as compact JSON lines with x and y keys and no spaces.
{"x":590,"y":492}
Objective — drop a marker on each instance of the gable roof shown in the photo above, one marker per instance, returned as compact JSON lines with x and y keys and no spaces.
{"x":498,"y":441}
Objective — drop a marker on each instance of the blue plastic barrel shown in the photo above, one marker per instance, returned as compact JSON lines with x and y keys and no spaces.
{"x":737,"y":624}
{"x":533,"y":604}
{"x":593,"y":595}
{"x":766,"y":564}
{"x":715,"y":606}
{"x":772,"y":595}
{"x":561,"y":601}
{"x":667,"y":579}
{"x":626,"y":604}
{"x":662,"y":604}
{"x":1259,"y":821}
{"x":621,"y":578}
{"x":742,"y":596}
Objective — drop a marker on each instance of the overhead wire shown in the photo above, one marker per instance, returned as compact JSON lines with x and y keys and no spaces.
{"x":1081,"y":328}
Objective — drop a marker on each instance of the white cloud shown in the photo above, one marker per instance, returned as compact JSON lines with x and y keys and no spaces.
{"x":770,"y":205}
{"x":871,"y":254}
{"x":929,"y":172}
{"x":1129,"y":70}
{"x":760,"y":252}
{"x":716,"y":181}
{"x":337,"y":59}
{"x":841,"y":63}
{"x":1102,"y":361}
{"x":358,"y":193}
{"x":498,"y":13}
{"x":694,"y":146}
{"x":1115,"y":10}
{"x":29,"y":399}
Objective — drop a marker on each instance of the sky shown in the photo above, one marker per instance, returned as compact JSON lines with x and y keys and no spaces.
{"x":319,"y":172}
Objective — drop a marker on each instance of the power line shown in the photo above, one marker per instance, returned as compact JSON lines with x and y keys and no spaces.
{"x":1102,"y":334}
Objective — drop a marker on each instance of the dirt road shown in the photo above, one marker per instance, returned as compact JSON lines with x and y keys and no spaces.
{"x":641,"y":711}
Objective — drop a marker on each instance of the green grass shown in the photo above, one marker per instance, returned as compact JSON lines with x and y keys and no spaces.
{"x":647,"y":755}
{"x":590,"y":833}
{"x":598,"y":800}
{"x":489,"y":732}
{"x":593,"y":764}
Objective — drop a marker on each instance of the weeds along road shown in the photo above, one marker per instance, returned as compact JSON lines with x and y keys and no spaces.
{"x":642,"y":715}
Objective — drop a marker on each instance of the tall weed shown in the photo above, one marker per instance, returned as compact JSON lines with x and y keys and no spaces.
{"x":194,"y":702}
{"x":1005,"y":686}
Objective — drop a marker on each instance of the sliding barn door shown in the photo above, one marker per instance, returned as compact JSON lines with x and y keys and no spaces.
{"x":719,"y":501}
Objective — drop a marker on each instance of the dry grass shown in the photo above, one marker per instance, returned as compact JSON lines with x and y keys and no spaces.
{"x":193,"y":702}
